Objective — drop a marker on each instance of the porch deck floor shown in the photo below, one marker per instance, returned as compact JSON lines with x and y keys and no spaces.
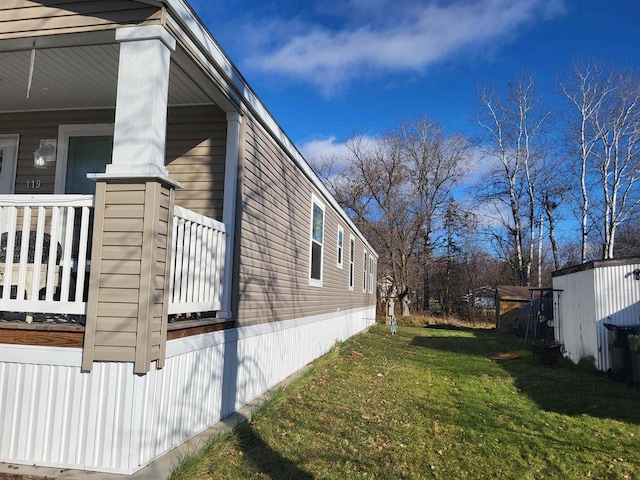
{"x":42,"y":318}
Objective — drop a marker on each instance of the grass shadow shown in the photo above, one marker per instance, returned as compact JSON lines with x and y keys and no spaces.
{"x":265,"y":459}
{"x":564,"y":389}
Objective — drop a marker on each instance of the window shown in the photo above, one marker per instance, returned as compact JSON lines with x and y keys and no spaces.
{"x":317,"y":241}
{"x":8,"y":158}
{"x":371,"y":265}
{"x":365,"y":274}
{"x":82,"y":149}
{"x":340,"y":246}
{"x":352,"y":256}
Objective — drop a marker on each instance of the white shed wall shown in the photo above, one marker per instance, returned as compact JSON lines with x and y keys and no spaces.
{"x":617,"y":302}
{"x":576,"y":307}
{"x":110,"y":420}
{"x":590,"y":298}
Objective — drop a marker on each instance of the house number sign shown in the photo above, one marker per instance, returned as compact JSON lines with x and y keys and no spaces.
{"x":34,"y":184}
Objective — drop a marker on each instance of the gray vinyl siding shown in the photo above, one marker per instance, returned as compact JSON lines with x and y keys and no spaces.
{"x":25,"y":18}
{"x":275,"y":241}
{"x":34,"y":126}
{"x":195,"y":157}
{"x":119,"y":293}
{"x":128,"y":300}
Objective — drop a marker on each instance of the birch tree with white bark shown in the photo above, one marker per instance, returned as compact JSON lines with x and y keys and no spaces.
{"x":514,"y":126}
{"x":605,"y":135}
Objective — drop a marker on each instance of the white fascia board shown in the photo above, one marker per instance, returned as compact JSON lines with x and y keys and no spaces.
{"x":183,"y":17}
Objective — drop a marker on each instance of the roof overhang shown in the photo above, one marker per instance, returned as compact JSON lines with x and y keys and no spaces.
{"x":79,"y":71}
{"x":191,"y":31}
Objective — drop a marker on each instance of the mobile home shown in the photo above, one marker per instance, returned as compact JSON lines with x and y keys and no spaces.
{"x":166,"y":254}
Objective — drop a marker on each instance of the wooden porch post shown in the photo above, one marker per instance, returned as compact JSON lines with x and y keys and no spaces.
{"x":128,"y":295}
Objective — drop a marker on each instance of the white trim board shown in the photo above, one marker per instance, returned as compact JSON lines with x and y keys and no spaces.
{"x":64,"y":133}
{"x":72,"y":357}
{"x":9,"y":144}
{"x":205,"y":340}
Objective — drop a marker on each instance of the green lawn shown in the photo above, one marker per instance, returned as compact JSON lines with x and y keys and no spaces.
{"x":429,"y":403}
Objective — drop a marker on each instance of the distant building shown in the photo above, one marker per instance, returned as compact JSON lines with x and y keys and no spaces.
{"x":512,"y":307}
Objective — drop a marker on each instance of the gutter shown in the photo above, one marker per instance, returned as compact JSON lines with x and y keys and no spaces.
{"x":184,"y":17}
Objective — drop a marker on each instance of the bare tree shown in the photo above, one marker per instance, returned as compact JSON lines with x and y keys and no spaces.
{"x":459,"y":228}
{"x":587,"y":90}
{"x":437,"y":163}
{"x":628,"y":240}
{"x":606,"y":133}
{"x":394,"y":187}
{"x":618,"y":156}
{"x":514,"y":133}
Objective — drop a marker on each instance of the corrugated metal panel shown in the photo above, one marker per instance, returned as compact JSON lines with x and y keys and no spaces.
{"x":590,"y":298}
{"x":112,"y":420}
{"x":576,"y":304}
{"x":617,"y":302}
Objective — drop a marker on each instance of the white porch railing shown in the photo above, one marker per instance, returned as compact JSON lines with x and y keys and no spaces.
{"x":44,"y":252}
{"x":197,"y":263}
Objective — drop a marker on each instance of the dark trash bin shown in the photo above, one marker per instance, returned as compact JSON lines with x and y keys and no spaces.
{"x":621,"y":358}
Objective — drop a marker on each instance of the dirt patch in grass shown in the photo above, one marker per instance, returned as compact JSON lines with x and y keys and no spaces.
{"x":426,"y":319}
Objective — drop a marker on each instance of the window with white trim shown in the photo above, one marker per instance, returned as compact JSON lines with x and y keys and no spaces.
{"x":340,"y":252}
{"x":365,"y":274}
{"x":317,"y":243}
{"x":82,"y":149}
{"x":352,"y":257}
{"x":371,"y":265}
{"x":8,"y":160}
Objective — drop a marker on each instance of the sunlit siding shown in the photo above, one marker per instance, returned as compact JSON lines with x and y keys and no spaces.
{"x":195,"y":157}
{"x":275,"y":241}
{"x":26,"y":18}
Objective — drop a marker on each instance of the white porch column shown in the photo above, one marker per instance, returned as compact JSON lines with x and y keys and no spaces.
{"x":137,"y":173}
{"x":234,"y":121}
{"x":141,"y":104}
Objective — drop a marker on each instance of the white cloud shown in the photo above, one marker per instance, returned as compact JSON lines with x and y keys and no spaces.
{"x":395,"y":36}
{"x":329,"y":156}
{"x":479,"y":166}
{"x":320,"y":148}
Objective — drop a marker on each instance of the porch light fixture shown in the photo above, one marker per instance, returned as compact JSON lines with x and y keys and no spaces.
{"x":46,"y":153}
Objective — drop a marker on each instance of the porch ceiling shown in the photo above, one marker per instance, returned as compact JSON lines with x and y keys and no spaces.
{"x":74,"y":77}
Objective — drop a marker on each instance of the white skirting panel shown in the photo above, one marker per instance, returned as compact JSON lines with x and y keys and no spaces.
{"x":110,"y":420}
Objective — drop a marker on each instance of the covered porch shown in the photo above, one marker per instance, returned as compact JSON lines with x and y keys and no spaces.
{"x":118,"y":174}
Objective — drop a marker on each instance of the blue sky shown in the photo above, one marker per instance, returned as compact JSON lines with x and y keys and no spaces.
{"x":330,"y":69}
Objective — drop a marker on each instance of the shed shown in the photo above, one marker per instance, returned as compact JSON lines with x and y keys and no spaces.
{"x":512,"y":304}
{"x":595,"y":293}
